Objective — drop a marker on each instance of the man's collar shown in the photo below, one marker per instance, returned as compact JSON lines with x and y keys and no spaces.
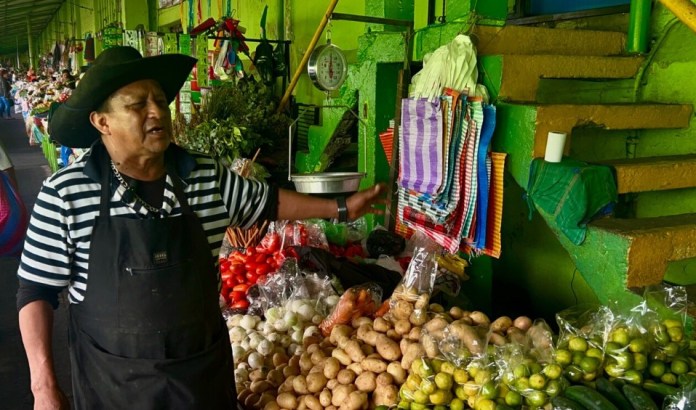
{"x":184,"y":162}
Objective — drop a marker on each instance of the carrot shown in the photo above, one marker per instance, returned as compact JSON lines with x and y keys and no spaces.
{"x":383,"y":309}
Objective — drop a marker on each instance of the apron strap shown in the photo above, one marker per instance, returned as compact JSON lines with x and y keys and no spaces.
{"x":178,"y":185}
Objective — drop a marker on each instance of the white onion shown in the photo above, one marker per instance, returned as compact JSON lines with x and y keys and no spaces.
{"x":241,"y":376}
{"x":296,"y":336}
{"x":273,"y":337}
{"x":255,"y":360}
{"x":316,"y":319}
{"x":312,"y":330}
{"x":237,"y":352}
{"x":331,"y":300}
{"x":281,"y":326}
{"x":290,"y":319}
{"x":285,"y":340}
{"x":305,"y":311}
{"x":248,"y":322}
{"x":294,"y":349}
{"x":237,"y":334}
{"x":265,"y":347}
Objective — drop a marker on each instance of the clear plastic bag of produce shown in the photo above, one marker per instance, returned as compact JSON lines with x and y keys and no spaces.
{"x":343,"y":233}
{"x":435,"y":382}
{"x":361,"y":300}
{"x":301,"y":233}
{"x":248,"y":169}
{"x":583,"y":331}
{"x":411,"y":298}
{"x":459,"y":342}
{"x":684,"y":399}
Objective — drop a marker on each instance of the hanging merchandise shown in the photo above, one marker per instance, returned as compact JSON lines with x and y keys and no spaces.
{"x":170,"y":43}
{"x":131,"y":38}
{"x":89,"y":48}
{"x":153,"y":44}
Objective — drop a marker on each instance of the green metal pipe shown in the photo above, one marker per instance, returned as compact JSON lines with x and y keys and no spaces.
{"x":639,"y":27}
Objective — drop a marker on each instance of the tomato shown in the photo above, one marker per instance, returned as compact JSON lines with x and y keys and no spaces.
{"x":242,"y":287}
{"x":230,"y":282}
{"x":262,"y":279}
{"x":263,"y":269}
{"x":237,"y":268}
{"x":250,"y":266}
{"x":259,"y":258}
{"x":261,"y":249}
{"x":224,"y":275}
{"x":251,"y":250}
{"x":271,"y":242}
{"x":236,"y":296}
{"x":239,"y":278}
{"x":224,"y":265}
{"x":251,"y":277}
{"x":242,"y":304}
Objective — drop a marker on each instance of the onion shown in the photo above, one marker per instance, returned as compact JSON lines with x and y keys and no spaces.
{"x":248,"y":322}
{"x":265,"y":347}
{"x":237,"y":334}
{"x":255,"y":360}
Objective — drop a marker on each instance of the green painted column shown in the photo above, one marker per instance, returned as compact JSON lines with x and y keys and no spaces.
{"x":134,"y":13}
{"x":31,"y":44}
{"x":638,"y":26}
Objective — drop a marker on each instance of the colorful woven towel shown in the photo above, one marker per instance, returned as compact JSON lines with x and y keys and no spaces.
{"x":420,"y":145}
{"x":495,"y":206}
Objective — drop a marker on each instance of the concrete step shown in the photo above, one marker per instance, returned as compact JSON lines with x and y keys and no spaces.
{"x":644,"y":247}
{"x":586,"y":91}
{"x":654,"y":173}
{"x":517,"y":77}
{"x":492,"y":40}
{"x":538,"y":40}
{"x":522,"y":129}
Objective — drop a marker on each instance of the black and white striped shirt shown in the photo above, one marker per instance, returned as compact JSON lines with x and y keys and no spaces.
{"x":56,"y":251}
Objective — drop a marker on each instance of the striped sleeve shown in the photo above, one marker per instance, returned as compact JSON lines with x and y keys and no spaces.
{"x":246,"y":200}
{"x":46,"y":258}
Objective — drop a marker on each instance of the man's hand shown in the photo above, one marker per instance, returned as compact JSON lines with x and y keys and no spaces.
{"x":50,"y":399}
{"x":363,"y":202}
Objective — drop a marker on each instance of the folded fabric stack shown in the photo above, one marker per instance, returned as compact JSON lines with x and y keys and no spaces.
{"x":445,"y":170}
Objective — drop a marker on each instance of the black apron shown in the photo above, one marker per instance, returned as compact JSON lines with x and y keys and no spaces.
{"x":149,"y":333}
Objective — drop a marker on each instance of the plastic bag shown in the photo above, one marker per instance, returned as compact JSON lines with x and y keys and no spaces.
{"x":300,"y":233}
{"x":434,"y":382}
{"x":583,"y":332}
{"x":248,"y":169}
{"x":357,"y":301}
{"x":685,"y":399}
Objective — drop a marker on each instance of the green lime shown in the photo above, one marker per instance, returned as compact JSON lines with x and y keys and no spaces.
{"x":537,"y":381}
{"x":489,"y":390}
{"x":554,"y":388}
{"x":536,"y":398}
{"x":613,"y":348}
{"x":669,"y":378}
{"x":638,"y":345}
{"x":428,"y":386}
{"x":657,"y":368}
{"x":676,"y":334}
{"x":619,"y":336}
{"x":460,"y":376}
{"x":640,"y":361}
{"x":418,"y":406}
{"x":436,"y":364}
{"x":513,"y":399}
{"x":535,"y":367}
{"x":521,"y":370}
{"x":483,"y":376}
{"x":448,"y":367}
{"x":659,"y":334}
{"x":679,"y":366}
{"x":589,"y":364}
{"x":671,"y":349}
{"x":404,"y":405}
{"x":553,"y":371}
{"x":672,"y":323}
{"x":405,"y":394}
{"x":633,"y":377}
{"x":443,"y":381}
{"x":613,"y":370}
{"x":563,"y":357}
{"x":457,"y":404}
{"x":440,"y":407}
{"x":595,"y":352}
{"x":573,"y":373}
{"x":441,"y":397}
{"x":624,"y":359}
{"x":460,"y":392}
{"x":577,"y":357}
{"x":577,"y":344}
{"x":485,"y":404}
{"x":413,"y":382}
{"x":522,"y":384}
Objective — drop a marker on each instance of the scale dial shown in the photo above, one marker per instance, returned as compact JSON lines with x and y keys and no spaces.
{"x":327,"y":67}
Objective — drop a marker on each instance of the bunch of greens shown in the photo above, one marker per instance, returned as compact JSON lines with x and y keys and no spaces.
{"x":237,"y":119}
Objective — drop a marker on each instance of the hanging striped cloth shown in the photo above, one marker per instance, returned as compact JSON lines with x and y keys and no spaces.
{"x":495,"y":206}
{"x":420,"y":145}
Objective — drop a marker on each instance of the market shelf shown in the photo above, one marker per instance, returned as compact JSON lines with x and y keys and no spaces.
{"x":654,"y":173}
{"x":648,"y":245}
{"x":517,"y":77}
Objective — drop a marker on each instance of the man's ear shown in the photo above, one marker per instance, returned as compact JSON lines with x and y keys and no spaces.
{"x":100,"y":122}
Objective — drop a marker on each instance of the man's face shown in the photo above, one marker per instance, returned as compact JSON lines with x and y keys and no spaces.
{"x":138,"y":121}
{"x":65,"y":76}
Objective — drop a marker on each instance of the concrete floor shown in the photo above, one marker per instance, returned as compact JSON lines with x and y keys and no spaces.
{"x":15,"y":393}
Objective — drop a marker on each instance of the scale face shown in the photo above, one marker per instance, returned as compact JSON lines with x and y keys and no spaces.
{"x":327,"y":67}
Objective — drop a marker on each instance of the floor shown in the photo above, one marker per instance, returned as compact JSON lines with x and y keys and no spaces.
{"x":15,"y":393}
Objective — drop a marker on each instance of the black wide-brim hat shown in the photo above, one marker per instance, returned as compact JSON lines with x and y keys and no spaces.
{"x":114,"y":68}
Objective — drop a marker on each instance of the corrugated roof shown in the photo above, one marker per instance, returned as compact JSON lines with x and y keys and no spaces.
{"x":13,"y":22}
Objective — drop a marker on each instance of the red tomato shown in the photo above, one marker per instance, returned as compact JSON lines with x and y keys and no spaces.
{"x":239,"y":278}
{"x":262,"y":279}
{"x":263,"y":269}
{"x":258,"y":258}
{"x":236,"y":296}
{"x":224,"y":265}
{"x":250,"y":266}
{"x":230,"y":282}
{"x":251,"y":277}
{"x":251,"y":250}
{"x":226,"y":274}
{"x":242,"y":304}
{"x":242,"y":287}
{"x":237,"y":268}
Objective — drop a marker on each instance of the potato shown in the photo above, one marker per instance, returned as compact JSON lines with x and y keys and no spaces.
{"x":388,"y":348}
{"x":456,"y":312}
{"x":340,"y":394}
{"x":480,"y":318}
{"x":316,"y":382}
{"x":354,"y":352}
{"x":331,"y":368}
{"x":516,"y":335}
{"x":523,"y":323}
{"x":299,"y":384}
{"x":332,"y":383}
{"x":313,"y":348}
{"x":271,"y":406}
{"x":402,"y":327}
{"x":291,"y":371}
{"x":386,"y":395}
{"x":367,"y":349}
{"x":384,"y":379}
{"x":418,"y":317}
{"x":467,"y":335}
{"x":251,"y":400}
{"x":362,"y":332}
{"x":403,"y":345}
{"x":287,"y":401}
{"x":280,"y":358}
{"x":340,"y":355}
{"x":391,"y":333}
{"x":497,"y":339}
{"x":294,"y":361}
{"x":413,"y":351}
{"x":366,"y":382}
{"x":260,"y":386}
{"x":373,"y":365}
{"x":381,"y":325}
{"x":311,"y":340}
{"x":313,"y":403}
{"x":301,"y":403}
{"x":346,"y":376}
{"x":397,"y":372}
{"x":275,"y":377}
{"x":359,"y":321}
{"x":258,"y":374}
{"x":242,"y":396}
{"x":430,"y":346}
{"x":401,"y":309}
{"x":415,"y":333}
{"x":501,"y":324}
{"x":356,"y":368}
{"x":356,"y":401}
{"x":305,"y":362}
{"x":265,"y":399}
{"x":325,"y":397}
{"x":317,"y":357}
{"x":340,"y":332}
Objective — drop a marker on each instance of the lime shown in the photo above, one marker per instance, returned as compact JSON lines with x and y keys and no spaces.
{"x":436,"y":364}
{"x":537,"y":381}
{"x":460,"y":376}
{"x":577,"y":357}
{"x":577,"y":344}
{"x":448,"y":367}
{"x":624,"y":359}
{"x":420,"y":396}
{"x":470,"y":388}
{"x":443,"y":381}
{"x":457,"y":404}
{"x":418,"y":406}
{"x":553,"y":371}
{"x":563,"y":357}
{"x":638,"y":345}
{"x":482,"y":376}
{"x":428,"y":386}
{"x":554,"y":388}
{"x":657,"y":368}
{"x":633,"y":377}
{"x":489,"y":390}
{"x":589,"y":364}
{"x":514,"y":399}
{"x":595,"y":352}
{"x":659,"y":334}
{"x":536,"y":398}
{"x":441,"y":397}
{"x":640,"y":361}
{"x":672,"y":323}
{"x":613,"y":348}
{"x":619,"y":336}
{"x":669,"y":378}
{"x":522,"y":384}
{"x":460,"y":392}
{"x":521,"y":370}
{"x":613,"y":370}
{"x":679,"y":366}
{"x":440,"y":407}
{"x":573,"y":373}
{"x":485,"y":404}
{"x":413,"y":382}
{"x":671,"y":349}
{"x":404,"y":405}
{"x":676,"y":334}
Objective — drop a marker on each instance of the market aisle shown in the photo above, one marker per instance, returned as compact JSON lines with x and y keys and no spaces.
{"x":31,"y":169}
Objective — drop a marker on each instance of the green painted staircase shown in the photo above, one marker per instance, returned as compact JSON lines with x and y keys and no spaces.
{"x":535,"y":76}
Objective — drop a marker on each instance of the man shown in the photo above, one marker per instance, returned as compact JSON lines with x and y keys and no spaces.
{"x":5,"y":95}
{"x":132,"y":229}
{"x":67,"y":79}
